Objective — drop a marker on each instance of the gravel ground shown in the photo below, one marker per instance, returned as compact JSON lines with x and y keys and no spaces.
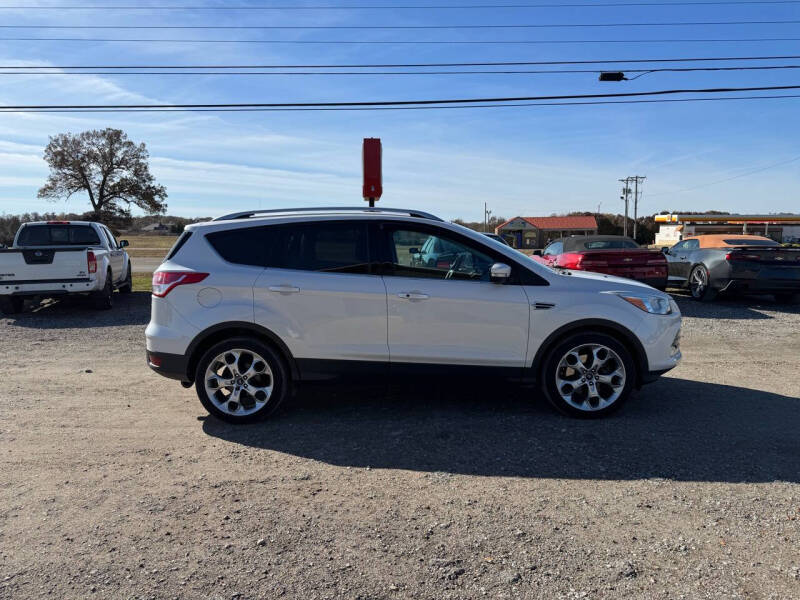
{"x":115,"y":484}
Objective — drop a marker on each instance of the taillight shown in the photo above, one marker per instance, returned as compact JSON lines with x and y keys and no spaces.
{"x":571,"y":260}
{"x":91,"y":262}
{"x":165,"y":281}
{"x":733,"y":256}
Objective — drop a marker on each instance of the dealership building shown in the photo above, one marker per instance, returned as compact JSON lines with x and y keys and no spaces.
{"x":537,"y":232}
{"x":674,"y":227}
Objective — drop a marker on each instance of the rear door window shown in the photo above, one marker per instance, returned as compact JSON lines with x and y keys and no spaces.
{"x":329,"y":246}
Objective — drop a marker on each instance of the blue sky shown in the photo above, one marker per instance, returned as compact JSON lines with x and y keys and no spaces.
{"x":521,"y":160}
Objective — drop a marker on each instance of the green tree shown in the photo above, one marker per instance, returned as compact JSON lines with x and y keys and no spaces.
{"x":111,"y":169}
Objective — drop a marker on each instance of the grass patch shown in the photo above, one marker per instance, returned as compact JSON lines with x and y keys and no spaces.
{"x":142,"y":282}
{"x":150,"y":241}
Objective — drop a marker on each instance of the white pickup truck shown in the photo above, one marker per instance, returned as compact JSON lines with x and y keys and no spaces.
{"x":53,"y":258}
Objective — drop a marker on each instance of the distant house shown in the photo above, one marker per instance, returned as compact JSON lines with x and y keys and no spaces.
{"x":156,"y":228}
{"x":536,"y":232}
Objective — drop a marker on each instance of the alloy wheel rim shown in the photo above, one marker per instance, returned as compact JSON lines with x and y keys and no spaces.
{"x":590,"y":377}
{"x":698,"y":282}
{"x":239,"y":382}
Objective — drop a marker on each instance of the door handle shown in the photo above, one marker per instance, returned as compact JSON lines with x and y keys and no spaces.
{"x":412,"y":296}
{"x":284,"y":289}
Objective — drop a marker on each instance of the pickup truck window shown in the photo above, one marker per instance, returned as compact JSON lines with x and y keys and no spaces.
{"x":58,"y":235}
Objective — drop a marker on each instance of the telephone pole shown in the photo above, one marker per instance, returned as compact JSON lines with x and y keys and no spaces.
{"x":626,"y":191}
{"x":486,"y":216}
{"x":636,"y":180}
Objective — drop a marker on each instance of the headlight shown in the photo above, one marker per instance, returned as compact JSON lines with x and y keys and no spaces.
{"x":655,"y":305}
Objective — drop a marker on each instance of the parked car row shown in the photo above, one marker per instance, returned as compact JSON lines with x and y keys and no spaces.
{"x":706,"y":265}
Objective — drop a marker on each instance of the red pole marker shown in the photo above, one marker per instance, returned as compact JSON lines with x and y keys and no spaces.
{"x":372,"y":163}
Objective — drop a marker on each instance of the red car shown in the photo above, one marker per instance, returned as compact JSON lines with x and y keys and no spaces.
{"x":610,"y":254}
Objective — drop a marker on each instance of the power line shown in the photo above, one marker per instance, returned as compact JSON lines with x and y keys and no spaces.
{"x":419,"y":65}
{"x":641,"y":72}
{"x":376,"y":108}
{"x":404,"y":102}
{"x":401,"y":42}
{"x":410,"y":6}
{"x":407,"y":27}
{"x":745,"y":174}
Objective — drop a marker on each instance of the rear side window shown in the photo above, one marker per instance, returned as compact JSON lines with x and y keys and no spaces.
{"x":239,"y":246}
{"x":58,"y":235}
{"x":184,"y":237}
{"x":331,"y":246}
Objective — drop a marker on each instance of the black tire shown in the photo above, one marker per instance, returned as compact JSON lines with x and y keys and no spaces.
{"x":104,"y":299}
{"x":787,"y":298}
{"x":279,"y":380}
{"x":585,"y":409}
{"x":702,"y":292}
{"x":11,"y":305}
{"x":127,"y":285}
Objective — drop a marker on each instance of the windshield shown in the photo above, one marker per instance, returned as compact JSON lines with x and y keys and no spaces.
{"x":58,"y":235}
{"x":610,"y":244}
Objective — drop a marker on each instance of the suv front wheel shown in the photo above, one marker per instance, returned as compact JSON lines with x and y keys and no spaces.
{"x":588,"y":375}
{"x":241,"y":380}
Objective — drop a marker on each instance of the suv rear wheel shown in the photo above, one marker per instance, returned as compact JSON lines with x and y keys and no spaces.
{"x":588,"y":375}
{"x":241,"y":380}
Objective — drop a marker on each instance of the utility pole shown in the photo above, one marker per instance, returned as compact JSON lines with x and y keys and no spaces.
{"x":486,"y":215}
{"x":636,"y":180}
{"x":626,"y":190}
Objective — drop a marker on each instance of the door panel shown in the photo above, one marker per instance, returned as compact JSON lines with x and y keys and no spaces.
{"x":456,"y":322}
{"x":318,"y":293}
{"x":334,"y":316}
{"x":444,"y":310}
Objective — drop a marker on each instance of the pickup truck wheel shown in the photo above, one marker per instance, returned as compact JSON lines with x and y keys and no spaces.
{"x":104,"y":299}
{"x":588,"y":375}
{"x":127,"y":285}
{"x":241,"y":380}
{"x":11,"y":305}
{"x":700,"y":284}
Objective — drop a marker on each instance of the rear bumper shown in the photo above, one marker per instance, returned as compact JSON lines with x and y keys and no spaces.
{"x":172,"y":366}
{"x":761,"y":286}
{"x":44,"y":287}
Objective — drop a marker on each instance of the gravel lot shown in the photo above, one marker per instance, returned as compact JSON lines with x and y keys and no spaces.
{"x":115,"y":484}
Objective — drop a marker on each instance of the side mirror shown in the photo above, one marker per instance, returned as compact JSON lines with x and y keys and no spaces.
{"x":499,"y":272}
{"x":123,"y":243}
{"x":665,"y":249}
{"x":537,"y":252}
{"x":413,"y":250}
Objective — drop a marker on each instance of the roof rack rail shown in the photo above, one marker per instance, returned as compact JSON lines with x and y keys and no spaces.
{"x":323,"y":209}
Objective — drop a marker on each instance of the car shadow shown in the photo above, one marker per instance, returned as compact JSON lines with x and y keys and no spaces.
{"x":675,"y":428}
{"x":732,"y":307}
{"x":77,"y":312}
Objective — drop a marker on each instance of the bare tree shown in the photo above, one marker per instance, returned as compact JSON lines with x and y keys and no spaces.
{"x":110,"y":168}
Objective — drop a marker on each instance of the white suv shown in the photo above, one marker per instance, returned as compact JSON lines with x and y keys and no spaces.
{"x":250,"y":303}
